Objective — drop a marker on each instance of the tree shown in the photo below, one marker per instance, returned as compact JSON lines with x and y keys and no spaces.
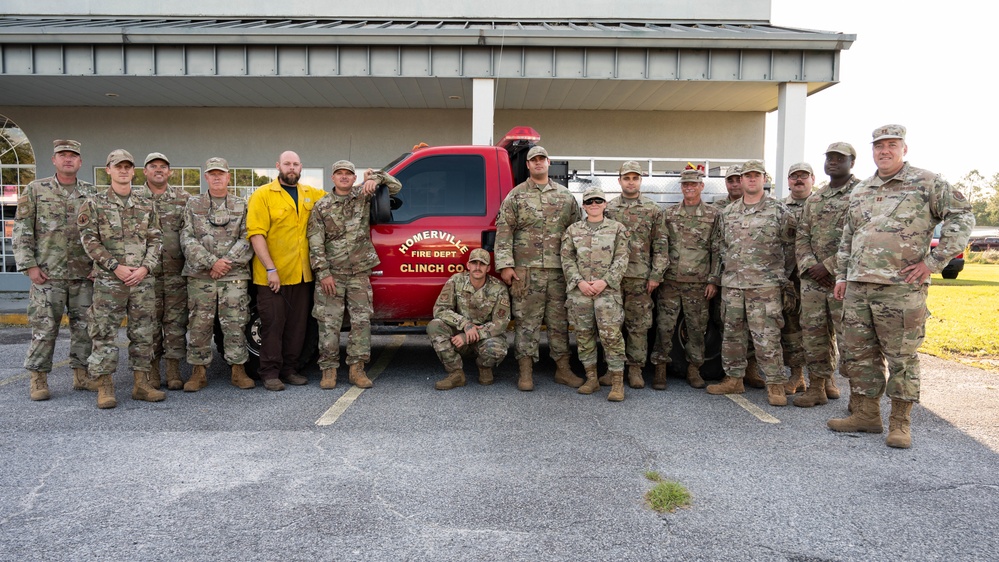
{"x":983,"y":195}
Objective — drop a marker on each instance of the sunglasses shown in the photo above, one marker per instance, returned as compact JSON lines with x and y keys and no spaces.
{"x":593,"y":201}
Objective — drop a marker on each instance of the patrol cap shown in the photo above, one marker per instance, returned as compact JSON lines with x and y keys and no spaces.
{"x":156,"y":156}
{"x":537,"y":151}
{"x":753,"y":166}
{"x":630,"y":167}
{"x":594,"y":191}
{"x":801,"y":167}
{"x":479,"y":255}
{"x":344,"y":165}
{"x":118,"y":156}
{"x":63,"y":144}
{"x":888,"y":132}
{"x":216,"y":163}
{"x":844,"y":148}
{"x":733,"y":171}
{"x":694,"y":176}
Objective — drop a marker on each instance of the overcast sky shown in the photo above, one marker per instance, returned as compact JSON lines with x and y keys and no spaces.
{"x":926,"y":65}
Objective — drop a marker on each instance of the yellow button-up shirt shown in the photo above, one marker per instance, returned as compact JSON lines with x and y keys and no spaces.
{"x":271,"y":213}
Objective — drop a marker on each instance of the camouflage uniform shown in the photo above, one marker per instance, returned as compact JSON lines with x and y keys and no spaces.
{"x":816,"y":241}
{"x":461,"y":304}
{"x":790,"y":334}
{"x":128,"y":233}
{"x":888,"y":227}
{"x":228,"y":297}
{"x":171,"y":287}
{"x":648,"y":257}
{"x":592,"y":251}
{"x":340,"y":246}
{"x":529,"y":229}
{"x":694,"y":263}
{"x":45,"y":235}
{"x":757,"y":247}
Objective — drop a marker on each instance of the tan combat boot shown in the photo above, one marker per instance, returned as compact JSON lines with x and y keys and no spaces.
{"x":815,"y":394}
{"x":105,"y":392}
{"x":796,"y":383}
{"x":454,"y":379}
{"x":832,"y":392}
{"x":525,"y":381}
{"x":39,"y":386}
{"x":753,"y":377}
{"x":173,"y":380}
{"x":82,"y":381}
{"x":866,"y":417}
{"x":616,"y":393}
{"x":485,"y":375}
{"x":564,"y":374}
{"x":775,"y":395}
{"x":198,"y":380}
{"x":728,"y":385}
{"x":852,"y":405}
{"x":605,"y":379}
{"x":328,"y":382}
{"x":635,"y":379}
{"x":694,"y":376}
{"x":154,"y":374}
{"x":239,"y":379}
{"x":592,"y":384}
{"x":899,"y":436}
{"x":142,"y":391}
{"x":659,"y":380}
{"x":357,"y":377}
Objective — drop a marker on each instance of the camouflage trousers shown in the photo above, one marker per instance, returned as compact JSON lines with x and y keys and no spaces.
{"x":675,"y":296}
{"x":353,"y":294}
{"x":171,"y":312}
{"x":637,"y":319}
{"x":821,"y":324}
{"x":113,"y":302}
{"x":46,"y":303}
{"x":230,"y":301}
{"x":790,"y":334}
{"x":603,"y":315}
{"x":883,"y":323}
{"x":539,"y":298}
{"x":490,"y":352}
{"x":753,"y":314}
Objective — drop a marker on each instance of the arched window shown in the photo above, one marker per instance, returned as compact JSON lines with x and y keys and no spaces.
{"x":17,"y":165}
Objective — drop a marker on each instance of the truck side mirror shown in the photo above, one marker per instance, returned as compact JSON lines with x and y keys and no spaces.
{"x":381,"y":206}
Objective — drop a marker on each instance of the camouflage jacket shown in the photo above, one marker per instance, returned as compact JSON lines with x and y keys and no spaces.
{"x":757,"y":244}
{"x":531,"y":223}
{"x":820,"y":226}
{"x":890,"y":223}
{"x":721,"y":203}
{"x":45,"y":232}
{"x":693,"y":243}
{"x":205,"y":243}
{"x":648,"y":248}
{"x":461,"y":304}
{"x":169,"y":207}
{"x":113,"y":232}
{"x":340,"y":231}
{"x":595,"y":251}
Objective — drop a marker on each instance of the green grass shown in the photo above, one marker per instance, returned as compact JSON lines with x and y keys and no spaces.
{"x":965,"y":317}
{"x":666,"y":495}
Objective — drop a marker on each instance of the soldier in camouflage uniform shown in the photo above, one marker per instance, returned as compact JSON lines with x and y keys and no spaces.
{"x":595,"y":254}
{"x":341,"y":255}
{"x":647,"y":260}
{"x":800,"y":179}
{"x":470,"y":318}
{"x":816,"y":242}
{"x":692,"y":278}
{"x":171,"y":287}
{"x":733,"y":183}
{"x":218,"y":276}
{"x":529,"y":231}
{"x":883,"y":270}
{"x":121,"y":233}
{"x":47,"y":250}
{"x":757,"y":247}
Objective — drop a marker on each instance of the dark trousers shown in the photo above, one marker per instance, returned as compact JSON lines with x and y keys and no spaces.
{"x":283,"y":319}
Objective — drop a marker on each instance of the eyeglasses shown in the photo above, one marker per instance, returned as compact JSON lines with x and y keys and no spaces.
{"x":799,"y":176}
{"x":593,"y":201}
{"x":219,"y":216}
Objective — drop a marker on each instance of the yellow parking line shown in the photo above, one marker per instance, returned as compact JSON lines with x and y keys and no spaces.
{"x":752,"y":408}
{"x":348,"y":398}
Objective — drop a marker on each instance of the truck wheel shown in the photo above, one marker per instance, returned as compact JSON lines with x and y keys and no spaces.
{"x":949,"y":274}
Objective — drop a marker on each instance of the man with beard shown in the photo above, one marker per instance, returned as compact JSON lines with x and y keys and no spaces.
{"x":733,"y":183}
{"x":276,"y":223}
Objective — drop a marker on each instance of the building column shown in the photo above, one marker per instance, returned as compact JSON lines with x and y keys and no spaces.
{"x":483,"y":107}
{"x":790,"y":132}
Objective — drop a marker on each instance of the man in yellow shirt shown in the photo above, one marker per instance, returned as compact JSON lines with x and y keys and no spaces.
{"x":276,"y":222}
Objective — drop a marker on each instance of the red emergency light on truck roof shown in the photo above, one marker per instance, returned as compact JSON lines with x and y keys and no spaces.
{"x":519,"y":134}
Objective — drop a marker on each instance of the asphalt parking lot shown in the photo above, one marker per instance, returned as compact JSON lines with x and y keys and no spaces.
{"x":404,"y":472}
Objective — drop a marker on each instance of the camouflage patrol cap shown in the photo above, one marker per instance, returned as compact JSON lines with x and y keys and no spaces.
{"x":630,"y":167}
{"x":733,"y":171}
{"x":537,"y":151}
{"x":118,"y":156}
{"x":844,"y":148}
{"x":888,"y":132}
{"x":216,"y":163}
{"x":60,"y":145}
{"x":801,"y":167}
{"x":155,"y":156}
{"x":691,"y":176}
{"x":344,"y":165}
{"x":594,"y":191}
{"x":753,"y":166}
{"x":479,"y":255}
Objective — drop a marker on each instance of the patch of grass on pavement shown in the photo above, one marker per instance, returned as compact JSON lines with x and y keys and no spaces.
{"x":965,"y":317}
{"x":666,"y":495}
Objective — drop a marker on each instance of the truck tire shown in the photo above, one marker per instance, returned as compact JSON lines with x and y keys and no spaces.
{"x":949,"y":274}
